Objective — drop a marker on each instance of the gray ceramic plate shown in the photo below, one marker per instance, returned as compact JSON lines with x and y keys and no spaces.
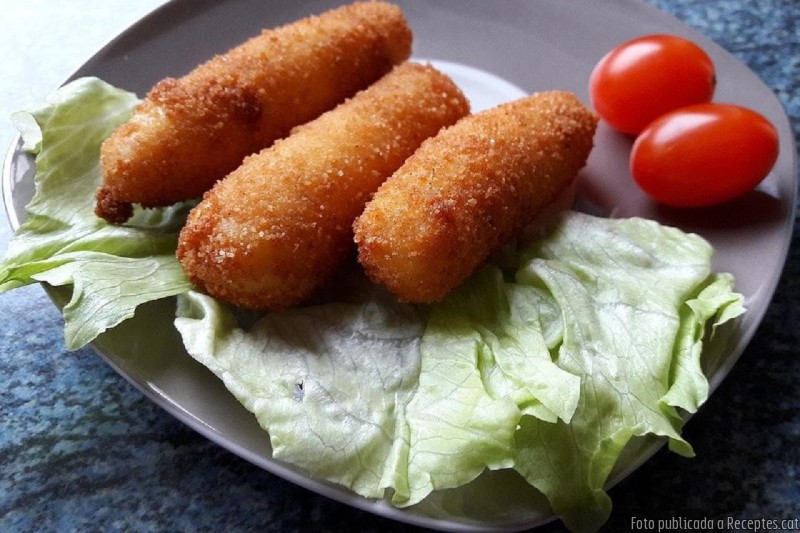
{"x":495,"y":50}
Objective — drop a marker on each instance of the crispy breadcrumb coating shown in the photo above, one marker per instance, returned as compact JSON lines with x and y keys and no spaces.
{"x":275,"y":229}
{"x":190,"y":132}
{"x":470,"y":189}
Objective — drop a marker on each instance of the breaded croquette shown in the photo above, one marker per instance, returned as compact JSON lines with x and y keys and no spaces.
{"x":190,"y":132}
{"x":470,"y":189}
{"x":275,"y":229}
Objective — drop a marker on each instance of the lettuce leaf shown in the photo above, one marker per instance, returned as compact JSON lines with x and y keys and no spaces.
{"x":112,"y":268}
{"x":328,"y":383}
{"x":484,"y":363}
{"x":593,"y":339}
{"x":548,"y":363}
{"x":628,"y":291}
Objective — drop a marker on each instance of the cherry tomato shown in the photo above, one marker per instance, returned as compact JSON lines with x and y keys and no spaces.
{"x":703,"y":154}
{"x":642,"y":79}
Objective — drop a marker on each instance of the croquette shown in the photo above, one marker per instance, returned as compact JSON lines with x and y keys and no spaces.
{"x":191,"y":131}
{"x":470,"y":189}
{"x":275,"y":229}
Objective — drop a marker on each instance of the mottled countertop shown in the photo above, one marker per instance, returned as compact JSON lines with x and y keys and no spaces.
{"x":81,"y":449}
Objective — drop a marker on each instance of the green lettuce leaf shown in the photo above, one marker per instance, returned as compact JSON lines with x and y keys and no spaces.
{"x":550,"y":363}
{"x":550,"y":370}
{"x":635,"y":297}
{"x":329,"y":383}
{"x":485,"y":362}
{"x":112,"y":268}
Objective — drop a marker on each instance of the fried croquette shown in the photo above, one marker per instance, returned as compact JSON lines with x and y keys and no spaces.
{"x":191,"y":131}
{"x":470,"y":189}
{"x":275,"y":229}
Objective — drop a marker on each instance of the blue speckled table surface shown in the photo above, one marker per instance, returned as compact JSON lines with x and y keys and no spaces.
{"x":81,"y":449}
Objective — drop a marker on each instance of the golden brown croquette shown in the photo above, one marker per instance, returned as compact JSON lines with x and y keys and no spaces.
{"x":276,"y":228}
{"x":191,"y":131}
{"x":468,"y":190}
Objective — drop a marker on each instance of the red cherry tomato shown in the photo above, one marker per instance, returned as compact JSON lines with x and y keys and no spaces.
{"x":703,"y":154}
{"x":642,"y":79}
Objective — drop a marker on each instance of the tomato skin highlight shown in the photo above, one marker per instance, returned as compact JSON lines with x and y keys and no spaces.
{"x":643,"y":78}
{"x":704,"y":154}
